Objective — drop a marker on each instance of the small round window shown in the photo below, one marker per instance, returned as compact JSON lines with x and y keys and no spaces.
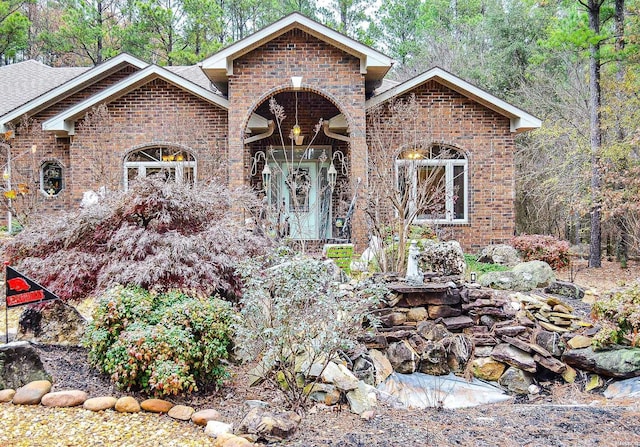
{"x":51,"y":178}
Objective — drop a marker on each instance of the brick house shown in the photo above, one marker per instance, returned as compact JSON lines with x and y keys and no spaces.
{"x":103,"y":126}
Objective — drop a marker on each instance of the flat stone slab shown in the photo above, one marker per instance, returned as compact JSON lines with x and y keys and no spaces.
{"x":515,"y":357}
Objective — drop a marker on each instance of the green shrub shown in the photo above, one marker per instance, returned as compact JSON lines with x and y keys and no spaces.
{"x":619,"y":315}
{"x":538,"y":247}
{"x":161,"y":343}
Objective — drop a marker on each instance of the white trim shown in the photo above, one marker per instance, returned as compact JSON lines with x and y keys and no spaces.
{"x":70,"y":87}
{"x":62,"y":122}
{"x":222,"y":61}
{"x":520,"y":120}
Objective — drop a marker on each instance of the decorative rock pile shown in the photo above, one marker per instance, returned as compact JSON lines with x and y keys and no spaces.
{"x":258,"y":424}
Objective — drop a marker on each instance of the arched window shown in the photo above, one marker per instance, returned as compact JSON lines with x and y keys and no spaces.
{"x":172,"y":163}
{"x":436,"y":183}
{"x":51,"y":178}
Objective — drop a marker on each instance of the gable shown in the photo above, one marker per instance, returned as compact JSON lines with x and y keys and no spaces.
{"x":64,"y":122}
{"x":86,"y":78}
{"x":373,"y":64}
{"x":520,"y":120}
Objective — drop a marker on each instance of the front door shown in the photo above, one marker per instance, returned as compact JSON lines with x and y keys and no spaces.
{"x":300,"y":196}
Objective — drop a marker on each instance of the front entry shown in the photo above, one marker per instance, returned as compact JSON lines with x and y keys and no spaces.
{"x":300,"y":195}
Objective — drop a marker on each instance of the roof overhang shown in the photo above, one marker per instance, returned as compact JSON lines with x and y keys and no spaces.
{"x":373,"y":64}
{"x":64,"y":123}
{"x":521,"y":121}
{"x":71,"y":87}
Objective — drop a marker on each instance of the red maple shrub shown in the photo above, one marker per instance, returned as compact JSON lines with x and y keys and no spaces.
{"x":539,"y":247}
{"x":157,"y":235}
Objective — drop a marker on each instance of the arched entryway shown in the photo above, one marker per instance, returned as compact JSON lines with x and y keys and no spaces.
{"x":298,"y":145}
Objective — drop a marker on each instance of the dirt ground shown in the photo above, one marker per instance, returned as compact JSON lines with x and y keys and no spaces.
{"x":562,"y":415}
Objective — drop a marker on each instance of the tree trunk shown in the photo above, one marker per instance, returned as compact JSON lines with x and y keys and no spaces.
{"x":595,"y":253}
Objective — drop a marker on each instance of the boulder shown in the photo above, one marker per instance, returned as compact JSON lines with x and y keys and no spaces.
{"x":100,"y":403}
{"x":127,"y":404}
{"x":32,"y":392}
{"x":516,"y":380}
{"x":534,"y":274}
{"x":217,"y":428}
{"x":623,"y":388}
{"x":7,"y":395}
{"x":550,"y":341}
{"x":382,"y":365}
{"x":502,"y":254}
{"x":55,"y":323}
{"x":20,"y":364}
{"x":156,"y":405}
{"x":181,"y":412}
{"x":498,"y":280}
{"x":67,"y":398}
{"x":459,"y":350}
{"x":486,"y":368}
{"x":362,"y":399}
{"x":203,"y":417}
{"x":564,"y":288}
{"x":364,"y":369}
{"x":445,"y":258}
{"x":621,"y":363}
{"x":269,"y":426}
{"x":403,"y":357}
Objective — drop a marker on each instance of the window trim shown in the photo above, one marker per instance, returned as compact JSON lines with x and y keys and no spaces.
{"x":449,"y":165}
{"x":142,"y":166}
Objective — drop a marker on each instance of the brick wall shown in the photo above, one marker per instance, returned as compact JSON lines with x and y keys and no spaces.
{"x":449,"y":118}
{"x":155,"y":113}
{"x":327,"y":72}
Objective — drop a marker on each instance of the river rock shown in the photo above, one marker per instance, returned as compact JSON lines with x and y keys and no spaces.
{"x":55,"y":323}
{"x":231,"y":440}
{"x":7,"y":395}
{"x":32,"y":392}
{"x":19,"y":365}
{"x":486,"y":368}
{"x":270,"y":426}
{"x":181,"y":412}
{"x":217,"y":428}
{"x":516,"y":380}
{"x":202,"y":417}
{"x":403,"y":357}
{"x":127,"y":404}
{"x":156,"y":405}
{"x":100,"y":403}
{"x":66,"y":398}
{"x":618,"y":363}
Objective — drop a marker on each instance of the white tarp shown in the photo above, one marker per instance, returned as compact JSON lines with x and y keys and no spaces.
{"x":420,"y":390}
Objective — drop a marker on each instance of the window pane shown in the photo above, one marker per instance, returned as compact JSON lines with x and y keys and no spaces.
{"x":299,"y":185}
{"x":51,"y":177}
{"x":430,"y":192}
{"x":458,"y":192}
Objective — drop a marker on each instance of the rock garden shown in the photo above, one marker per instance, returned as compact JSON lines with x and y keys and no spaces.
{"x":264,"y":344}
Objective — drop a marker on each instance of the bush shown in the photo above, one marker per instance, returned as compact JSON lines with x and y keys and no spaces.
{"x":294,"y":315}
{"x":161,"y":343}
{"x":157,"y":235}
{"x":619,"y":315}
{"x":538,"y":247}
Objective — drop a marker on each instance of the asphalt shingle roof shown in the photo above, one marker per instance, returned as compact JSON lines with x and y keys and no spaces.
{"x":24,"y":81}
